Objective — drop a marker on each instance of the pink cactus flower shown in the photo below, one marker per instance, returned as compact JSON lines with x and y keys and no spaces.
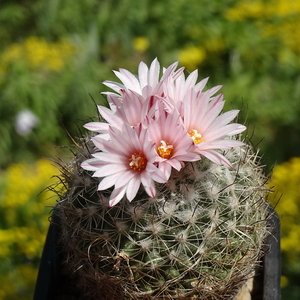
{"x":155,"y":123}
{"x":125,"y":161}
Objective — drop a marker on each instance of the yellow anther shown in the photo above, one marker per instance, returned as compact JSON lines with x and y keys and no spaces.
{"x":138,"y":161}
{"x":196,"y":136}
{"x":165,"y":149}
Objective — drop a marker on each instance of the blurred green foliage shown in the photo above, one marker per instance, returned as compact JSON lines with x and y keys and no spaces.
{"x":55,"y":54}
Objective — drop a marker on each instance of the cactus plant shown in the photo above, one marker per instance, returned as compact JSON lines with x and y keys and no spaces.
{"x":186,"y":218}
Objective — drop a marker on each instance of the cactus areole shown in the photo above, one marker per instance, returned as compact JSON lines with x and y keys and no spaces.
{"x":163,"y":200}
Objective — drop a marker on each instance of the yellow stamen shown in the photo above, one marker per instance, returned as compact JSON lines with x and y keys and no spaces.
{"x":196,"y":136}
{"x":165,"y":149}
{"x":138,"y":161}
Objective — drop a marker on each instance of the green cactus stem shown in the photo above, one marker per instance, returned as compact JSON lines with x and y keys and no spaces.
{"x":200,"y":238}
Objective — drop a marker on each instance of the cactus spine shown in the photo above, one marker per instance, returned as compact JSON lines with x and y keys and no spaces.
{"x":200,"y":238}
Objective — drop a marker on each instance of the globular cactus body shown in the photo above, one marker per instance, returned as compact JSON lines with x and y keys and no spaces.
{"x":200,"y":238}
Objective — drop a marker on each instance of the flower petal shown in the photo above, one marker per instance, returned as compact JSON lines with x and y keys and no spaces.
{"x":124,"y":178}
{"x":108,"y":182}
{"x":116,"y":196}
{"x":216,"y":157}
{"x":220,"y":132}
{"x":150,"y":190}
{"x":110,"y":117}
{"x":113,"y":85}
{"x":109,"y":169}
{"x":96,"y":126}
{"x":132,"y":188}
{"x":129,"y":80}
{"x":220,"y":144}
{"x":92,"y":164}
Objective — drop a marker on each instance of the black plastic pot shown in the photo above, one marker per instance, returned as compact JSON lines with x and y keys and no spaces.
{"x":267,"y":280}
{"x":53,"y":284}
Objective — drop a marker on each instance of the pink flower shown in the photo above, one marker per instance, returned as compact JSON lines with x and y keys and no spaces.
{"x":173,"y":144}
{"x":101,"y":127}
{"x":156,"y":123}
{"x":208,"y":128}
{"x":126,"y":161}
{"x":177,"y":89}
{"x":131,"y":111}
{"x":146,"y":83}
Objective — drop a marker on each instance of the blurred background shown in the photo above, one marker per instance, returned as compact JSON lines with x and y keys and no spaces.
{"x":54,"y":56}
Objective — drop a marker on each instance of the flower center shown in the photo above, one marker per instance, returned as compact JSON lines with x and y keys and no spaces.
{"x":138,"y":161}
{"x":196,"y":136}
{"x":165,"y":149}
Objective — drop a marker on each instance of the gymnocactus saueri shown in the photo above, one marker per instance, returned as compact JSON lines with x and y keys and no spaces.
{"x":163,"y":200}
